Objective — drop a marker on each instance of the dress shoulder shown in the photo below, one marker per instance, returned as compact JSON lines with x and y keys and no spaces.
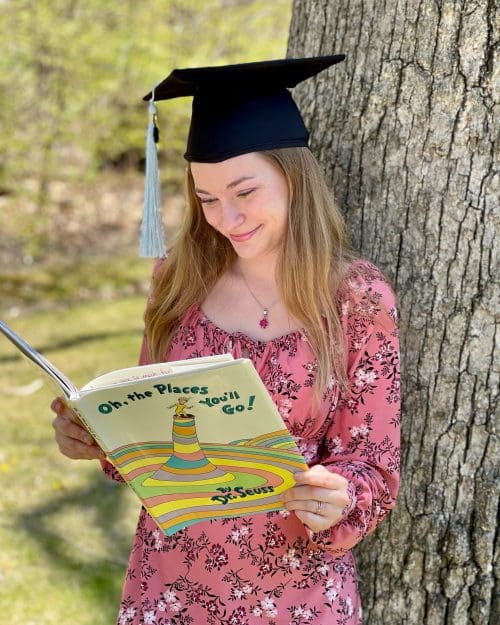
{"x":366,"y":295}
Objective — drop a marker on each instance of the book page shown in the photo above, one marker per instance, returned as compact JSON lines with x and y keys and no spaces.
{"x":141,"y":372}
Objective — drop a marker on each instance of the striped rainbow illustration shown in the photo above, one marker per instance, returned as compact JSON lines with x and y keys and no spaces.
{"x":185,"y":481}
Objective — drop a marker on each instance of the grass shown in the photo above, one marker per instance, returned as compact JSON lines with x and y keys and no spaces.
{"x":65,"y":529}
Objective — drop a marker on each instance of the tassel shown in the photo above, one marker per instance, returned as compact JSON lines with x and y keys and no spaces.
{"x":152,"y":234}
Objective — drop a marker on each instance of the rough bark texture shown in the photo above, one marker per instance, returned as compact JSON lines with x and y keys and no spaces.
{"x":405,"y":130}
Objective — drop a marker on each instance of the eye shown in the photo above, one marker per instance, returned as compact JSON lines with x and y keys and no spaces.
{"x":207,"y":200}
{"x":245,"y":193}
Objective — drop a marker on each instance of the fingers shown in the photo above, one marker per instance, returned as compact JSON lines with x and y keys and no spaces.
{"x":72,"y":438}
{"x":335,"y":497}
{"x":312,"y":506}
{"x":314,"y":522}
{"x":321,"y":476}
{"x":76,"y":450}
{"x":319,"y":498}
{"x":317,"y":515}
{"x":59,"y":406}
{"x":65,"y":428}
{"x":325,"y":504}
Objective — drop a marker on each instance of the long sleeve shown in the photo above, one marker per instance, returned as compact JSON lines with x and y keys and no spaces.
{"x":362,"y":440}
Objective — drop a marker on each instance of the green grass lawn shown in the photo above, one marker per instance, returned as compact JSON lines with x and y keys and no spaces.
{"x":65,"y":530}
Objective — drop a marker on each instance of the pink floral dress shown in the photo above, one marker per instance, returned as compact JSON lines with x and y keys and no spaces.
{"x":268,"y":569}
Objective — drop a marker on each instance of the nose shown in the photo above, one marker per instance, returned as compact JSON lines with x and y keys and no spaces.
{"x":231,"y":216}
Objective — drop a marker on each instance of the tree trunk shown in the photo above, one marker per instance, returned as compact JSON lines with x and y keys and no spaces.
{"x":405,"y":132}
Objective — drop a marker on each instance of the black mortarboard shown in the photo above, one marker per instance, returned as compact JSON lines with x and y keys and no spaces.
{"x":236,"y":109}
{"x":242,"y":108}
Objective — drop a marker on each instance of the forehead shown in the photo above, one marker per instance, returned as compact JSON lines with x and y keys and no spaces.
{"x":252,"y":164}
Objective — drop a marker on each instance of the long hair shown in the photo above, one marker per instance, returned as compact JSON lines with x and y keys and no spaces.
{"x":313,"y":262}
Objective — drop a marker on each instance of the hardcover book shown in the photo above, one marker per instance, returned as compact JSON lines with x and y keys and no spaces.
{"x":195,"y":439}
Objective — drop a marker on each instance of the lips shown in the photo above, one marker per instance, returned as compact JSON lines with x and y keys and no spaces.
{"x":240,"y":238}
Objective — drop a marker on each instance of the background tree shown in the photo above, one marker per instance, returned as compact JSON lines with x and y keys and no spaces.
{"x":405,"y":130}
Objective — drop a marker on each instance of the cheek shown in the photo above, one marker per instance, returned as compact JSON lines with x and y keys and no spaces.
{"x":277,"y":202}
{"x":210,"y":216}
{"x":280,"y":213}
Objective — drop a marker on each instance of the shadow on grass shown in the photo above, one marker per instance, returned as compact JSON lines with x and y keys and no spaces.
{"x":73,"y":342}
{"x":99,"y":576}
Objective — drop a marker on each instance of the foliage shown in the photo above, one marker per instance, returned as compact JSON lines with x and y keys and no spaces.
{"x":73,"y":76}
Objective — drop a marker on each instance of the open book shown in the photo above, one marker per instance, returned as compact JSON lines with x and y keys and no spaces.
{"x":195,"y":439}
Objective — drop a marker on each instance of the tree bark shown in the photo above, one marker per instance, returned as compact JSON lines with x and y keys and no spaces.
{"x":405,"y":131}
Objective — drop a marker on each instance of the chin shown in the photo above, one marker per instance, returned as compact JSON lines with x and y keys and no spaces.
{"x":245,"y":254}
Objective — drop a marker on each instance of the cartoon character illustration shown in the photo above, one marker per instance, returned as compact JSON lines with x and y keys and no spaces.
{"x":181,"y":407}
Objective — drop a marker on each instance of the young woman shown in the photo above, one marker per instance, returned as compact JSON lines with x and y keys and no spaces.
{"x":261,"y":269}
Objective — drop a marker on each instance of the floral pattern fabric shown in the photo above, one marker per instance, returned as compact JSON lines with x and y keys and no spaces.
{"x":269,"y":569}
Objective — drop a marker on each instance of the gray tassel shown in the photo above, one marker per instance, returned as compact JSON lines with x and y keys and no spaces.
{"x":152,"y":233}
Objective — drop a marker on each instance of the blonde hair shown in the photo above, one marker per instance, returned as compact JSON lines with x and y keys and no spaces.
{"x":312,"y":264}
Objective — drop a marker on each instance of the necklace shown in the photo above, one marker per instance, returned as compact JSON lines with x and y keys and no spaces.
{"x":264,"y":322}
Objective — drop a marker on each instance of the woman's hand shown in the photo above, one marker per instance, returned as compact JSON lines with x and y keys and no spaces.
{"x":319,"y":498}
{"x":73,"y":439}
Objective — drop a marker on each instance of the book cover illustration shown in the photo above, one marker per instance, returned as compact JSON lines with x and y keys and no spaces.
{"x":214,"y":448}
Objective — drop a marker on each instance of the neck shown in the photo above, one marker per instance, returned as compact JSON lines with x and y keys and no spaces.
{"x":261,"y":271}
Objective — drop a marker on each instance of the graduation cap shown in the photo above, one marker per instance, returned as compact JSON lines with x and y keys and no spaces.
{"x":236,"y":109}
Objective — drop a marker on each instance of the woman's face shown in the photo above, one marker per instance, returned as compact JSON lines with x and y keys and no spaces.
{"x":246,"y":199}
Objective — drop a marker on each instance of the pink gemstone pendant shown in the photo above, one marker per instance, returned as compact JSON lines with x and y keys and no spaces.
{"x":264,"y":322}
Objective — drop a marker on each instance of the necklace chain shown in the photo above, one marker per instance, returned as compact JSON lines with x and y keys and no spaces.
{"x":264,"y":321}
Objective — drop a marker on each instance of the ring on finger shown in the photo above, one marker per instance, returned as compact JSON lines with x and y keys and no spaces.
{"x":319,"y":507}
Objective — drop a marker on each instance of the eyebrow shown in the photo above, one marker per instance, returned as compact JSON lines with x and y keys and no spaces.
{"x":235,"y":183}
